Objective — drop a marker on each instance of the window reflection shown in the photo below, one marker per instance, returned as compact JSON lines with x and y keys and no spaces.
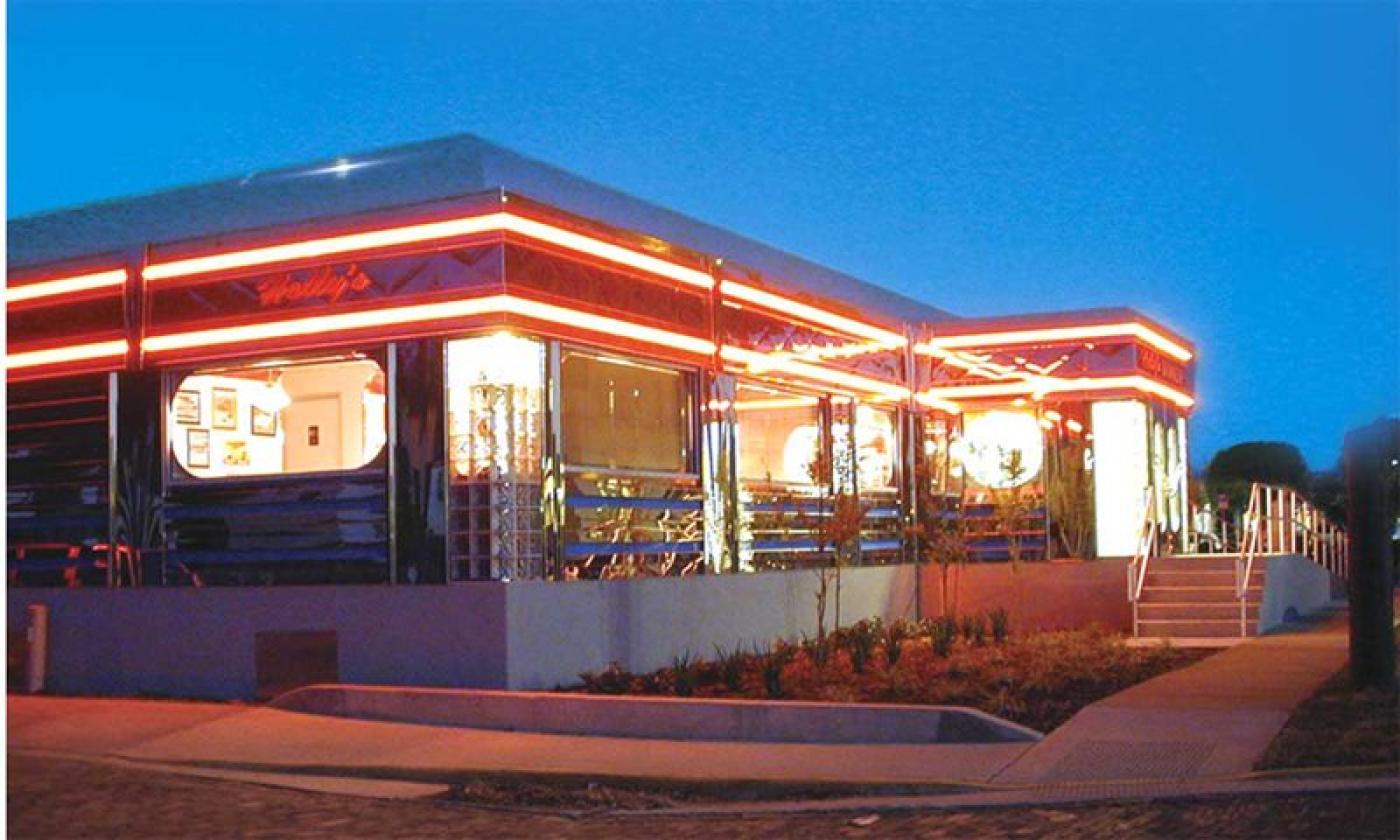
{"x":621,"y":414}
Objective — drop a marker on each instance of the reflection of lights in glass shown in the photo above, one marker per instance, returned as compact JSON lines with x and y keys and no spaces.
{"x":495,"y":402}
{"x":989,"y":439}
{"x":799,"y":452}
{"x":875,"y":448}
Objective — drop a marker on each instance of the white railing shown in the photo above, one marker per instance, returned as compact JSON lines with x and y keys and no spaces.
{"x":1280,"y":521}
{"x":1146,"y":546}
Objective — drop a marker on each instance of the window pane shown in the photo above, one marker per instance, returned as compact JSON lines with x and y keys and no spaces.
{"x":779,"y":435}
{"x":277,"y":418}
{"x":623,"y":415}
{"x":875,"y":448}
{"x":495,"y":426}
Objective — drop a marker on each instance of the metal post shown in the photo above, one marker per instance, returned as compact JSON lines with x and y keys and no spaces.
{"x":1371,"y":457}
{"x":36,"y":670}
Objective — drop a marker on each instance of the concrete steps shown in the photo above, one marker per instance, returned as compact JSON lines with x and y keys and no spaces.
{"x":1192,"y":597}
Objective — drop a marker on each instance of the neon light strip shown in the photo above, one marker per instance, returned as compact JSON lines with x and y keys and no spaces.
{"x":428,"y":232}
{"x":761,"y":362}
{"x":65,"y":285}
{"x":493,"y":304}
{"x":72,"y":353}
{"x":787,"y":306}
{"x":775,"y":403}
{"x":1132,"y":328}
{"x":1052,"y":385}
{"x":942,"y":405}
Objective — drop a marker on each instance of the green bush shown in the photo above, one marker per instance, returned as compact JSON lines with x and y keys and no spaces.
{"x":731,"y":666}
{"x":1001,"y":624}
{"x":974,"y":629}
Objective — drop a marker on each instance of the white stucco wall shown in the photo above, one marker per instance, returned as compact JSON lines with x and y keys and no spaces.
{"x":1292,"y":582}
{"x":557,"y":631}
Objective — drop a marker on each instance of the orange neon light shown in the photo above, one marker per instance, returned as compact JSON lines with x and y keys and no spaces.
{"x":492,"y":304}
{"x":428,"y":232}
{"x":65,"y":285}
{"x":775,"y":403}
{"x":1131,"y":328}
{"x":71,"y":353}
{"x":1053,"y":385}
{"x":942,"y":405}
{"x":788,"y":306}
{"x":761,"y":362}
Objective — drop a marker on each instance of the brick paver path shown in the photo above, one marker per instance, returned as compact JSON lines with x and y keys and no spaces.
{"x":55,"y":798}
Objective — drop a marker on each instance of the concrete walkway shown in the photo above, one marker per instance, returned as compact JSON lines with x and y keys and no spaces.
{"x":1210,"y":721}
{"x":1215,"y":718}
{"x":264,"y":739}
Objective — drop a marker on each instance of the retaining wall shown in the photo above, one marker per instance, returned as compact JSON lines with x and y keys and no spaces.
{"x":523,"y":635}
{"x":1054,"y":595}
{"x":1294,"y":587}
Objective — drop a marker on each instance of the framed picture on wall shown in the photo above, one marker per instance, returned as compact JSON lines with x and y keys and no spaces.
{"x":187,"y":408}
{"x":198,"y":452}
{"x":225,"y":409}
{"x":263,"y":422}
{"x":236,"y":453}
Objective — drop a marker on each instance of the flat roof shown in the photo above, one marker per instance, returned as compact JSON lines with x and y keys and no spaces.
{"x":418,"y":173}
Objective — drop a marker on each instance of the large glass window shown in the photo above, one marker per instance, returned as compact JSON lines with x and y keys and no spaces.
{"x":621,"y":414}
{"x":278,"y":417}
{"x":495,"y":441}
{"x":779,"y":435}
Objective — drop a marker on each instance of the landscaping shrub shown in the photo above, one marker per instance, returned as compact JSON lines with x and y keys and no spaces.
{"x":685,"y":674}
{"x":1036,"y":679}
{"x":1001,"y":624}
{"x":611,"y":680}
{"x":942,"y":632}
{"x":773,"y":663}
{"x":860,"y":641}
{"x":731,"y":666}
{"x":974,"y":629}
{"x":895,"y":634}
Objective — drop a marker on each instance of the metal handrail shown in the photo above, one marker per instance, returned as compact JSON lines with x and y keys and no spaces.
{"x":1147,"y":540}
{"x":1249,"y":547}
{"x":1280,"y":520}
{"x":1285,"y":522}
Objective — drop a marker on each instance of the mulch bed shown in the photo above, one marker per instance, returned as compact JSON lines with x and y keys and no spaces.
{"x":1039,"y":680}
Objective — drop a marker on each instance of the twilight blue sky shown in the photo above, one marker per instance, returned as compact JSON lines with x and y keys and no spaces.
{"x":1228,"y":168}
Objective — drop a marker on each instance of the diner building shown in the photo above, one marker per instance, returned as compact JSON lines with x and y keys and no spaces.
{"x":447,"y":363}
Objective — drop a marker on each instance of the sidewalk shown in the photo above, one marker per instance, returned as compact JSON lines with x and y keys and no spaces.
{"x":1209,"y":721}
{"x":264,"y":739}
{"x":1213,"y":719}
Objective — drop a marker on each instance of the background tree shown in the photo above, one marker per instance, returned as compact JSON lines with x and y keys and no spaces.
{"x":1232,"y":470}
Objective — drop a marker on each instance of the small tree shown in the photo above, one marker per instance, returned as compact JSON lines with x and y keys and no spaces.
{"x":938,"y":534}
{"x":836,"y":528}
{"x":1012,"y":503}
